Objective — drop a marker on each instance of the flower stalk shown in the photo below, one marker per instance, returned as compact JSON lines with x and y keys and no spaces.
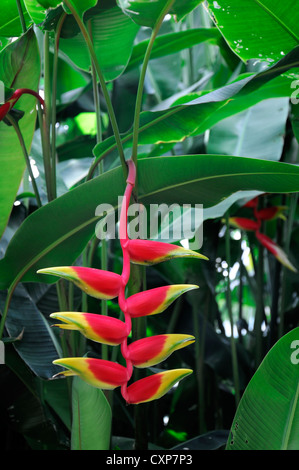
{"x":142,"y":353}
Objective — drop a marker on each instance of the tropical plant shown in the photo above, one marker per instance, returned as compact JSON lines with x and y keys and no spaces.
{"x":189,"y":109}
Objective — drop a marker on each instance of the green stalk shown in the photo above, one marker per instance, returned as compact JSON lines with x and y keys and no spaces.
{"x":16,"y":127}
{"x":46,"y":121}
{"x":104,"y":257}
{"x":101,"y":78}
{"x":139,"y":95}
{"x":21,"y":15}
{"x":230,"y":314}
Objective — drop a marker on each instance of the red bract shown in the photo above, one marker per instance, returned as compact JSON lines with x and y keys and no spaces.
{"x":265,"y":214}
{"x":276,"y":250}
{"x":95,"y":282}
{"x":148,"y":252}
{"x":147,"y":352}
{"x":155,"y":386}
{"x":141,"y":353}
{"x":270,"y":213}
{"x":99,"y":328}
{"x":156,"y":300}
{"x":244,"y":223}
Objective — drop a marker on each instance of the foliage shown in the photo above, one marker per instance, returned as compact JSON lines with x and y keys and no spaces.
{"x":203,"y":97}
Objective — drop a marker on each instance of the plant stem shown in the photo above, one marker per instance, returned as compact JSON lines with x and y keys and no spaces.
{"x":53,"y":102}
{"x":139,"y":95}
{"x":21,"y":15}
{"x":96,"y":95}
{"x":101,"y":78}
{"x":230,"y":314}
{"x":16,"y":127}
{"x":259,"y":307}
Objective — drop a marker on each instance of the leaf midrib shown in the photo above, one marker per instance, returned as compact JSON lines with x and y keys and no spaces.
{"x":278,"y":20}
{"x":290,"y":419}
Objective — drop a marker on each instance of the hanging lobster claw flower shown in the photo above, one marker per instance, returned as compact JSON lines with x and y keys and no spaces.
{"x":155,"y":386}
{"x":270,"y":213}
{"x":147,"y":352}
{"x":99,"y":328}
{"x":95,"y":282}
{"x":99,"y":373}
{"x":243,"y":223}
{"x":149,"y":252}
{"x":276,"y":250}
{"x":153,"y":301}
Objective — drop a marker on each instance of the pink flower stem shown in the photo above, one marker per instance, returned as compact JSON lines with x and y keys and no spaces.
{"x":124,"y":240}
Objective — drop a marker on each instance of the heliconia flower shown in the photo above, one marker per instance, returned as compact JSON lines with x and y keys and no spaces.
{"x":270,"y":213}
{"x":153,"y":301}
{"x":99,"y":373}
{"x":244,"y":223}
{"x":154,"y":386}
{"x":276,"y":250}
{"x":100,"y":328}
{"x":95,"y":282}
{"x":147,"y":352}
{"x":149,"y":252}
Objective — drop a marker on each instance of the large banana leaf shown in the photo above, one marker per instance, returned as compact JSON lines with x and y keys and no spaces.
{"x":57,"y":233}
{"x":264,"y":30}
{"x":19,"y":68}
{"x":267,"y":417}
{"x":193,"y":114}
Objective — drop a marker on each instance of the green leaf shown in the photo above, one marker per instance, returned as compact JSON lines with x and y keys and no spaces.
{"x":78,"y":5}
{"x":36,"y":346}
{"x":10,"y":24}
{"x":147,"y":12}
{"x":257,"y":132}
{"x":263,"y":30}
{"x":19,"y":68}
{"x":36,"y":11}
{"x":91,"y":426}
{"x":267,"y":417}
{"x":173,"y":42}
{"x":39,"y":243}
{"x":195,"y":115}
{"x":81,"y":7}
{"x":113,"y":36}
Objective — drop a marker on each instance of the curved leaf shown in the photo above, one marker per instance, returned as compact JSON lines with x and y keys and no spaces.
{"x":173,"y":42}
{"x":146,"y":12}
{"x":268,"y":414}
{"x":36,"y":345}
{"x":57,"y":233}
{"x":193,"y":114}
{"x":91,"y":425}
